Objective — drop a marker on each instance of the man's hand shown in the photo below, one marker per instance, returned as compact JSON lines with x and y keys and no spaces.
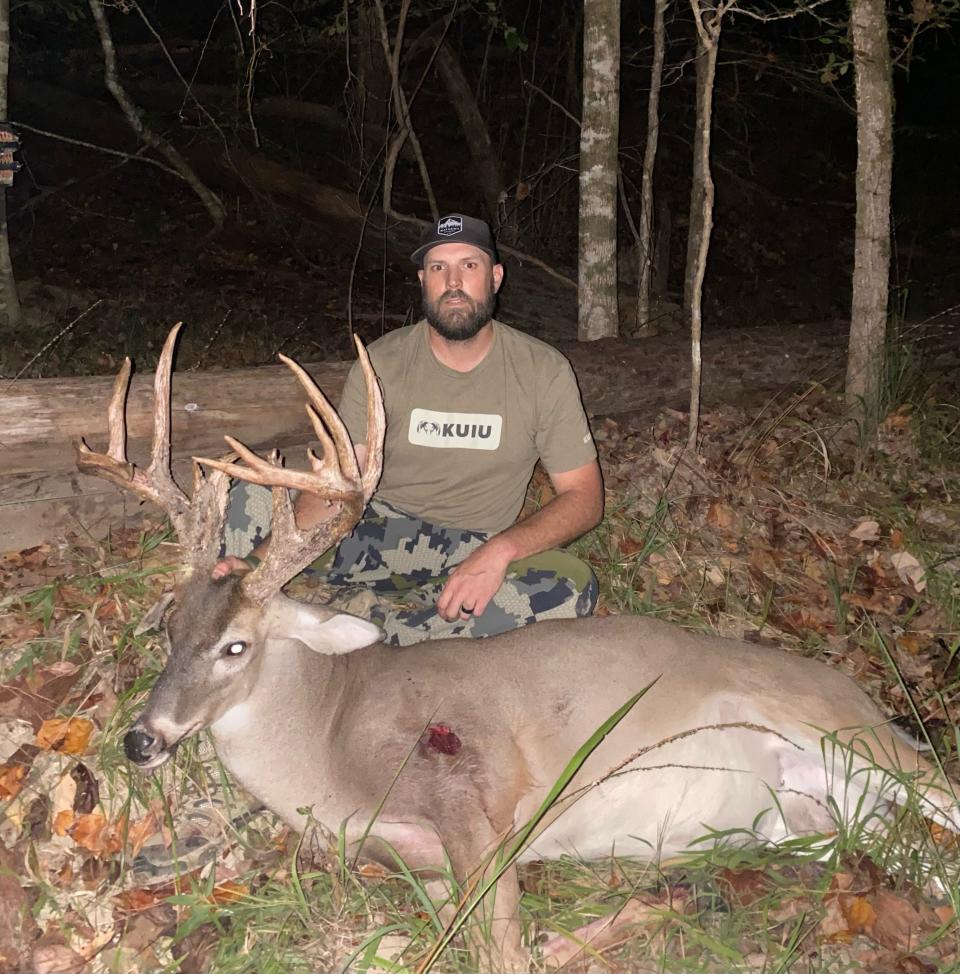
{"x":230,"y":564}
{"x":474,"y":582}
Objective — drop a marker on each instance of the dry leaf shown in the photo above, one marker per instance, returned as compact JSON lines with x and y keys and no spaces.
{"x":866,"y":530}
{"x":138,"y":832}
{"x":229,"y":892}
{"x":909,"y":569}
{"x":57,"y":959}
{"x":858,"y":913}
{"x":898,"y":925}
{"x":720,"y":515}
{"x":11,"y":780}
{"x":745,"y":886}
{"x":63,"y":821}
{"x":93,"y":833}
{"x":372,"y":870}
{"x":67,"y":734}
{"x":909,"y":643}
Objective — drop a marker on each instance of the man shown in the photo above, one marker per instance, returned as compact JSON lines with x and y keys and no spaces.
{"x":471,"y":405}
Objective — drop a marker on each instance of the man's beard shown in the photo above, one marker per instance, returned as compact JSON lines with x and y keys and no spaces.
{"x":461,"y":323}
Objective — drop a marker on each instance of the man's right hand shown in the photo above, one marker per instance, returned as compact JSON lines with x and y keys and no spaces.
{"x":228,"y":565}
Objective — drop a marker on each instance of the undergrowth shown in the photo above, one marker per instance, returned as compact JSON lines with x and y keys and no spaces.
{"x":769,"y":535}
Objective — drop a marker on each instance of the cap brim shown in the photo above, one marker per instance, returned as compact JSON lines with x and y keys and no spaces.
{"x":418,"y":255}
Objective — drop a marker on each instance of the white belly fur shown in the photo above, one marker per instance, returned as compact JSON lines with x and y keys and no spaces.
{"x":659,"y":812}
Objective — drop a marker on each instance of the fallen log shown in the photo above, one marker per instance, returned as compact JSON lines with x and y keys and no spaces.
{"x":42,"y":496}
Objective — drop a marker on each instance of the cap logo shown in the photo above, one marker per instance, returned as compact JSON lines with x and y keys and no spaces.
{"x":450,"y":226}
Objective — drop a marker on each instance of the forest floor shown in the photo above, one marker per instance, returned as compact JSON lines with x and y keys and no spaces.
{"x":781,"y":530}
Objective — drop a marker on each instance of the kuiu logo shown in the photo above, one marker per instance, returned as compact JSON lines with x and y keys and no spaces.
{"x":460,"y":430}
{"x":450,"y":226}
{"x":466,"y":431}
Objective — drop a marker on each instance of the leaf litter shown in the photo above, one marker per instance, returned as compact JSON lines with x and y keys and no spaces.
{"x":773,"y":533}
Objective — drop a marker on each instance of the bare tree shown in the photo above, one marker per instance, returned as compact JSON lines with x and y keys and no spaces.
{"x":183,"y":169}
{"x":474,"y":129}
{"x":401,"y":106}
{"x":645,"y":250}
{"x":871,"y":263}
{"x":709,"y":21}
{"x":599,"y":136}
{"x":10,"y":314}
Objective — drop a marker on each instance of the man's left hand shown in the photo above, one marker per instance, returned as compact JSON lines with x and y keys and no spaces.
{"x":474,"y":582}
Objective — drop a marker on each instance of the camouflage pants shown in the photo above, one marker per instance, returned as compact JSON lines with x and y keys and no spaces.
{"x":393,"y":567}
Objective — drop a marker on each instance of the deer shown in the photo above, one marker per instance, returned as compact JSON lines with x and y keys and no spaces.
{"x":438,"y":753}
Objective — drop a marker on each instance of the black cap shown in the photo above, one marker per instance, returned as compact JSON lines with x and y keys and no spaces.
{"x":456,"y":228}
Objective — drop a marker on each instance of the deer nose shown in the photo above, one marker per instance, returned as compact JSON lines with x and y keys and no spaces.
{"x":140,"y":746}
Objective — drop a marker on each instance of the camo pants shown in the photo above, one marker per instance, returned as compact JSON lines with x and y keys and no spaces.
{"x":393,"y":567}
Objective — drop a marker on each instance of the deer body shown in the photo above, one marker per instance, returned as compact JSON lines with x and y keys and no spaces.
{"x":315,"y":727}
{"x":444,"y":749}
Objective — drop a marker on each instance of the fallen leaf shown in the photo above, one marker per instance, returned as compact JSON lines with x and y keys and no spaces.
{"x":858,"y":913}
{"x":909,"y":569}
{"x":93,"y":833}
{"x":87,"y":795}
{"x":744,"y":886}
{"x":139,"y":831}
{"x":372,"y":870}
{"x":898,"y":925}
{"x":11,"y":780}
{"x":909,"y":643}
{"x":57,"y":959}
{"x":138,"y":900}
{"x":66,"y":734}
{"x":866,"y":530}
{"x":229,"y":892}
{"x":63,"y":821}
{"x":720,"y":515}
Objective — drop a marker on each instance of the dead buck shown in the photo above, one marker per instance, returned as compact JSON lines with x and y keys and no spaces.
{"x":448,"y":747}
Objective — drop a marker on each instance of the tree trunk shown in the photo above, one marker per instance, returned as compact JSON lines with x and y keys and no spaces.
{"x":871,"y":262}
{"x":474,"y":130}
{"x":695,"y":225}
{"x":645,"y":251}
{"x":599,"y":136}
{"x":372,"y":72}
{"x":10,"y":315}
{"x":401,"y":107}
{"x":212,"y":203}
{"x":709,"y":33}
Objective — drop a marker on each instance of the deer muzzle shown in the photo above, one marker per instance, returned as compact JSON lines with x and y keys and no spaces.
{"x":147,"y":751}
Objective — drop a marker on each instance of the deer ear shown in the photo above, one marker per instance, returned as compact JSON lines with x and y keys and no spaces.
{"x":324,"y":631}
{"x":342,"y":634}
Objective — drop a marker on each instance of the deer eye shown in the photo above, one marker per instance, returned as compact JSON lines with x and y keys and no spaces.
{"x":235,"y":649}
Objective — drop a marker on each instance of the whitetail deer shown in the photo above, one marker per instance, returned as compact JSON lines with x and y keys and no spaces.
{"x":446,"y":748}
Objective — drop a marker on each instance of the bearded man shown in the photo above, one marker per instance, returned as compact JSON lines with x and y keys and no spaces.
{"x":471,"y":405}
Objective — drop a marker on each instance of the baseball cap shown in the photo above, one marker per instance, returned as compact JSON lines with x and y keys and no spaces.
{"x":456,"y":228}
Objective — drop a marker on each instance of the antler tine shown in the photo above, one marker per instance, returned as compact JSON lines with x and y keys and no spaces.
{"x":156,"y":483}
{"x":116,"y":421}
{"x":340,"y":440}
{"x":376,"y":423}
{"x":335,"y":477}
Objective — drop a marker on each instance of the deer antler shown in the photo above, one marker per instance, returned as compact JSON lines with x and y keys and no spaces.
{"x":198,"y":522}
{"x":335,"y":476}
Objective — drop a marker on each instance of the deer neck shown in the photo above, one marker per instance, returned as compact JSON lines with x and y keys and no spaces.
{"x":277,"y":741}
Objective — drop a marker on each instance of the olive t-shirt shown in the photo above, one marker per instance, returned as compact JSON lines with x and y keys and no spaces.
{"x":461,"y":446}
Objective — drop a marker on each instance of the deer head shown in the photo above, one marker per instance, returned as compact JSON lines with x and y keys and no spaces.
{"x":218,"y":629}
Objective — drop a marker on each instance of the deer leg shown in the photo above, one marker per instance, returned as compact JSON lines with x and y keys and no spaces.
{"x":494,"y":929}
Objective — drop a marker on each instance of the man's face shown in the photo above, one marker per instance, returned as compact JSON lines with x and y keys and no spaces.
{"x":459,"y":284}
